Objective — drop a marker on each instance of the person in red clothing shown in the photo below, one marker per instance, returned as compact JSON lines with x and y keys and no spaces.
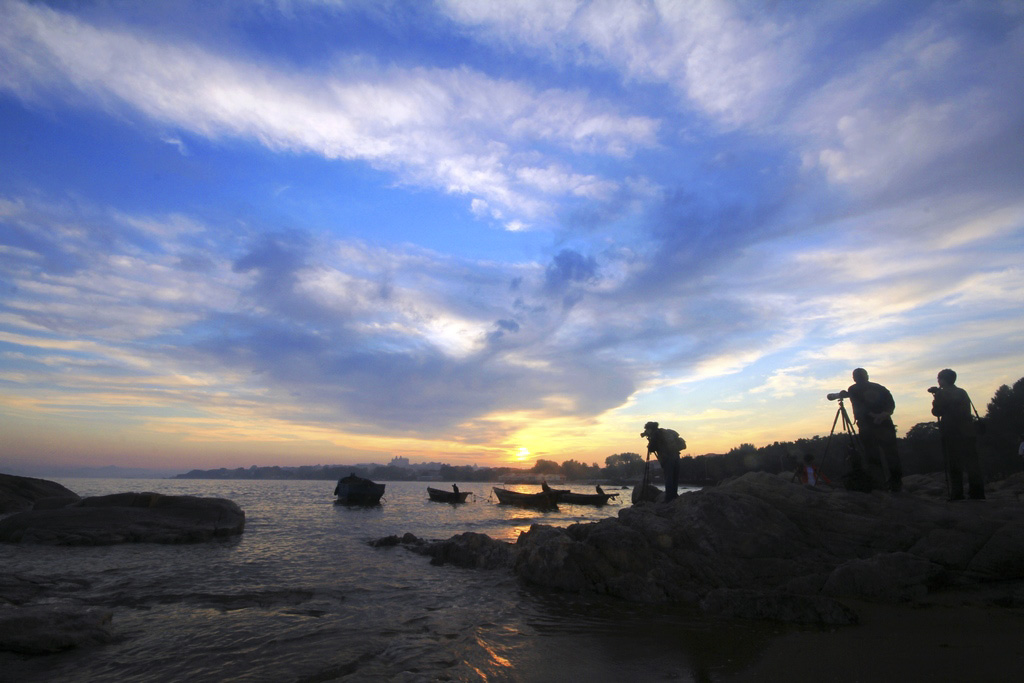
{"x":809,"y":473}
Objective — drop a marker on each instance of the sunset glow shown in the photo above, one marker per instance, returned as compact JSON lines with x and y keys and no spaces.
{"x":341,"y":232}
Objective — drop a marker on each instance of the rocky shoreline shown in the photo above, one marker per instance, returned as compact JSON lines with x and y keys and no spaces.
{"x":758,"y":547}
{"x":44,"y":512}
{"x":762,"y":547}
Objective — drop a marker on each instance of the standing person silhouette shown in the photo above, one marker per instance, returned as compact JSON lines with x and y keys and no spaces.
{"x":666,"y":445}
{"x":873,"y":407}
{"x":953,"y":407}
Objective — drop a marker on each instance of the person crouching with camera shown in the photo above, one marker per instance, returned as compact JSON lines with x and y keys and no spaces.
{"x":952,"y":406}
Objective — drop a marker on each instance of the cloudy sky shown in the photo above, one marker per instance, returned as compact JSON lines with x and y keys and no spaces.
{"x":319,"y":231}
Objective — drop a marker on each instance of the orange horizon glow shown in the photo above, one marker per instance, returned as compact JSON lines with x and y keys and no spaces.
{"x":65,"y":433}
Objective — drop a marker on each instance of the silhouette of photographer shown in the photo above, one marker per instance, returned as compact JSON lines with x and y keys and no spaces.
{"x":873,"y":407}
{"x":953,"y":407}
{"x":666,"y":445}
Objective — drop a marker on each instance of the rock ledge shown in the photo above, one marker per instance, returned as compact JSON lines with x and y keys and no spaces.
{"x":127,"y":518}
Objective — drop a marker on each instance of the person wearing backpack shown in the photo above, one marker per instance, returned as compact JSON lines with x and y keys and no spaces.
{"x":666,"y":444}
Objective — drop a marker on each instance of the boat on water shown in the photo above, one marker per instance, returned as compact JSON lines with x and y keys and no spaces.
{"x":442,"y":496}
{"x":353,"y":490}
{"x":543,"y":500}
{"x":586,"y":498}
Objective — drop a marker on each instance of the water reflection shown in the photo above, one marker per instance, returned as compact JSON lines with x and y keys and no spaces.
{"x":301,"y":596}
{"x":491,"y":649}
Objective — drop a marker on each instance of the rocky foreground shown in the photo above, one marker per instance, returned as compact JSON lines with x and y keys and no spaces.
{"x":47,"y":513}
{"x":762,"y":547}
{"x":54,"y":515}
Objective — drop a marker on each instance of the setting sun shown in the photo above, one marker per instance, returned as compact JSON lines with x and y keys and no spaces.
{"x":522,"y":454}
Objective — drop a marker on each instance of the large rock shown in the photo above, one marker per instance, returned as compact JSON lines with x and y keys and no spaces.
{"x":753,"y":545}
{"x":127,"y":518}
{"x":887,"y":577}
{"x":26,"y":493}
{"x":469,"y":549}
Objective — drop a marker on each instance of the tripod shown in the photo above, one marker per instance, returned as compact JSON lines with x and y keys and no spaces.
{"x":646,"y":491}
{"x":856,"y":447}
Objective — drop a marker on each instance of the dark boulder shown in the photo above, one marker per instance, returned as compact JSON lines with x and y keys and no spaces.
{"x":764,"y":547}
{"x":393,"y":540}
{"x":887,"y":577}
{"x":26,"y":493}
{"x":127,"y":518}
{"x":603,"y":557}
{"x":470,"y":550}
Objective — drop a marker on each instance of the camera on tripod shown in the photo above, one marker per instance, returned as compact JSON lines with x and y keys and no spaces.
{"x":835,"y":396}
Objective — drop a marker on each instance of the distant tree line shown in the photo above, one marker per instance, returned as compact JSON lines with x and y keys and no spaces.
{"x":335,"y":472}
{"x":920,"y":453}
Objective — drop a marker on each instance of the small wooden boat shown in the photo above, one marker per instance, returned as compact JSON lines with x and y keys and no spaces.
{"x":557,"y":493}
{"x":544,"y":500}
{"x":586,"y":498}
{"x":442,"y":496}
{"x":353,"y":490}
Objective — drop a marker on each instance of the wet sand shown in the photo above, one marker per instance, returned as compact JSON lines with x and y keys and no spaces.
{"x":936,"y":643}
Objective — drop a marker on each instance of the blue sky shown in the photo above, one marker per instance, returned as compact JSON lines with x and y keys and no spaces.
{"x":484,"y":232}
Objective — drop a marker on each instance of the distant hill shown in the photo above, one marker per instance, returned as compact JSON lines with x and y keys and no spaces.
{"x":330,"y":472}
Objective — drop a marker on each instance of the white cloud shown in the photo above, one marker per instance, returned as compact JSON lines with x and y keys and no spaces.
{"x":983,"y":226}
{"x":478,"y":207}
{"x":451,"y":129}
{"x":556,"y":180}
{"x":378,"y":334}
{"x":906,"y":110}
{"x":786,"y":382}
{"x":175,"y":142}
{"x":730,"y":66}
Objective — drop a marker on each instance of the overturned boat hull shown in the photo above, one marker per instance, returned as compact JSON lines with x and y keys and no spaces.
{"x":353,"y":490}
{"x":544,"y":500}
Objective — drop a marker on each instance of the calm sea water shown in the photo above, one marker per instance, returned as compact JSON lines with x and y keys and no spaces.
{"x":301,"y":596}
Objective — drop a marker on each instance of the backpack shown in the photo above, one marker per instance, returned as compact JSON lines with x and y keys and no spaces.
{"x":671,"y":440}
